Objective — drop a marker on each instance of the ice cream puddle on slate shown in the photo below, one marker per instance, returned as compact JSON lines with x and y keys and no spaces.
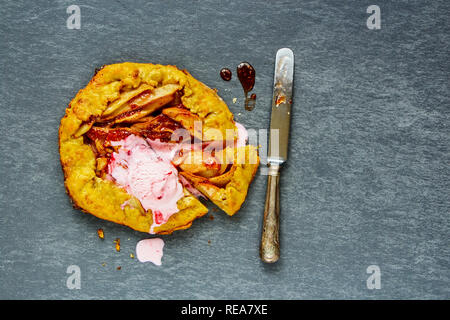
{"x":150,"y":250}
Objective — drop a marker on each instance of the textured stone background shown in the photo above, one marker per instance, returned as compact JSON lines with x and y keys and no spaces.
{"x":367,"y":181}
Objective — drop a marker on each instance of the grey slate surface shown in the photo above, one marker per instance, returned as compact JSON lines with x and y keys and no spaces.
{"x":367,"y":181}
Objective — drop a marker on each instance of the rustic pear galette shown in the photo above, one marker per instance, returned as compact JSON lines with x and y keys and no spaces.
{"x":141,"y":144}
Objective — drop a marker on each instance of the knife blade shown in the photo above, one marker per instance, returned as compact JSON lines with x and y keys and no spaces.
{"x":277,"y":152}
{"x":281,"y":107}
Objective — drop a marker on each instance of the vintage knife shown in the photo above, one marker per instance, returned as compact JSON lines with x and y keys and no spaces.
{"x":277,"y":152}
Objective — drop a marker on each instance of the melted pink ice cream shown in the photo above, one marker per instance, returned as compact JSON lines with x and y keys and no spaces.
{"x":144,"y":169}
{"x":166,"y":151}
{"x":150,"y":250}
{"x":242,"y":135}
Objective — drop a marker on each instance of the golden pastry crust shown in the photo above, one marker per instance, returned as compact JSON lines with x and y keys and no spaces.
{"x":111,"y":86}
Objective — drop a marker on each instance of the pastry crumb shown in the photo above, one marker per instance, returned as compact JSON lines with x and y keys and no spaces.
{"x":209,"y":242}
{"x":101,"y":234}
{"x":131,"y":256}
{"x":117,"y":242}
{"x":119,"y":268}
{"x":211,"y":217}
{"x":234,"y":100}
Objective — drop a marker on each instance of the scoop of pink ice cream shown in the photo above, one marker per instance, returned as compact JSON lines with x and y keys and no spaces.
{"x":148,"y":176}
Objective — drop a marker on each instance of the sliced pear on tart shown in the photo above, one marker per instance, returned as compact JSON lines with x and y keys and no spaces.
{"x":228,"y":191}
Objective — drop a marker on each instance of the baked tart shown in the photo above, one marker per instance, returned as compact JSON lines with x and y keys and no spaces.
{"x":141,"y":144}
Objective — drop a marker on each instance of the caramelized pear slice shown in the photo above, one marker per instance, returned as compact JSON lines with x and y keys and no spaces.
{"x":205,"y":187}
{"x":143,"y":104}
{"x":199,"y":163}
{"x":116,"y":106}
{"x":160,"y":127}
{"x":142,"y":123}
{"x":85,"y":127}
{"x":223,"y":179}
{"x":186,"y":118}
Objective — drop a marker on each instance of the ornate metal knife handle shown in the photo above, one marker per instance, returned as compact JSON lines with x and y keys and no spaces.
{"x":270,"y":242}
